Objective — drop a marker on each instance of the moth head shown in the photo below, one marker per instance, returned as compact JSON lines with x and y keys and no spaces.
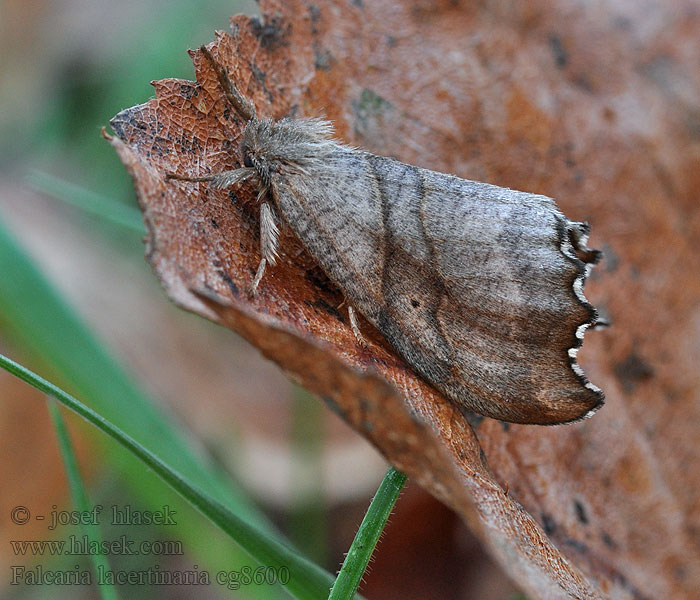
{"x":255,"y":151}
{"x":267,"y":145}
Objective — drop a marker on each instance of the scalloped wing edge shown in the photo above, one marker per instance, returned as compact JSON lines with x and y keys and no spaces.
{"x":573,"y":238}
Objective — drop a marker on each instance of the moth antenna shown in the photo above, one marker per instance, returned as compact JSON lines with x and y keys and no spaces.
{"x":243,"y":106}
{"x":172,"y":175}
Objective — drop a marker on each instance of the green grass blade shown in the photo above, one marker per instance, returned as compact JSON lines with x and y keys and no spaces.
{"x":357,"y":559}
{"x":87,"y":201}
{"x":79,"y":496}
{"x":39,"y":323}
{"x":307,"y":581}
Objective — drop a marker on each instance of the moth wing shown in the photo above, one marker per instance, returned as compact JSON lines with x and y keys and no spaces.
{"x":478,"y":287}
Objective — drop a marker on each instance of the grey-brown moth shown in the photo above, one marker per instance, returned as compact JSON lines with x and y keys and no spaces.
{"x":478,"y":287}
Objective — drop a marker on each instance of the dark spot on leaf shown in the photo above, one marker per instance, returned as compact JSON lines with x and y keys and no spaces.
{"x":415,"y":303}
{"x":576,"y":544}
{"x":633,"y":370}
{"x":322,"y":58}
{"x":560,"y":55}
{"x":608,"y":541}
{"x":272,"y":32}
{"x":580,"y":512}
{"x":261,"y":78}
{"x":186,"y":91}
{"x":333,"y":405}
{"x":229,"y":282}
{"x":548,"y":523}
{"x":314,"y":13}
{"x":584,"y":83}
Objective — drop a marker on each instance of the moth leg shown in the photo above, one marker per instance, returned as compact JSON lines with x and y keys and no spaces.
{"x":269,"y":243}
{"x":356,"y":328}
{"x":258,"y":277}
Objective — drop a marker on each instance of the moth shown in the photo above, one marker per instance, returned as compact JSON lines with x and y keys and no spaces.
{"x":478,"y":287}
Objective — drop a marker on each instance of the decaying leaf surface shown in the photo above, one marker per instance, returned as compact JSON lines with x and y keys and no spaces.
{"x":594,"y":105}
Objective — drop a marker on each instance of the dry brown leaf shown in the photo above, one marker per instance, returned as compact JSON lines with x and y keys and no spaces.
{"x":595,"y":105}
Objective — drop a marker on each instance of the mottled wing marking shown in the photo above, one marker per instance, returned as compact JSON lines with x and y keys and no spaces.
{"x":411,"y":289}
{"x":468,"y":281}
{"x":519,"y":319}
